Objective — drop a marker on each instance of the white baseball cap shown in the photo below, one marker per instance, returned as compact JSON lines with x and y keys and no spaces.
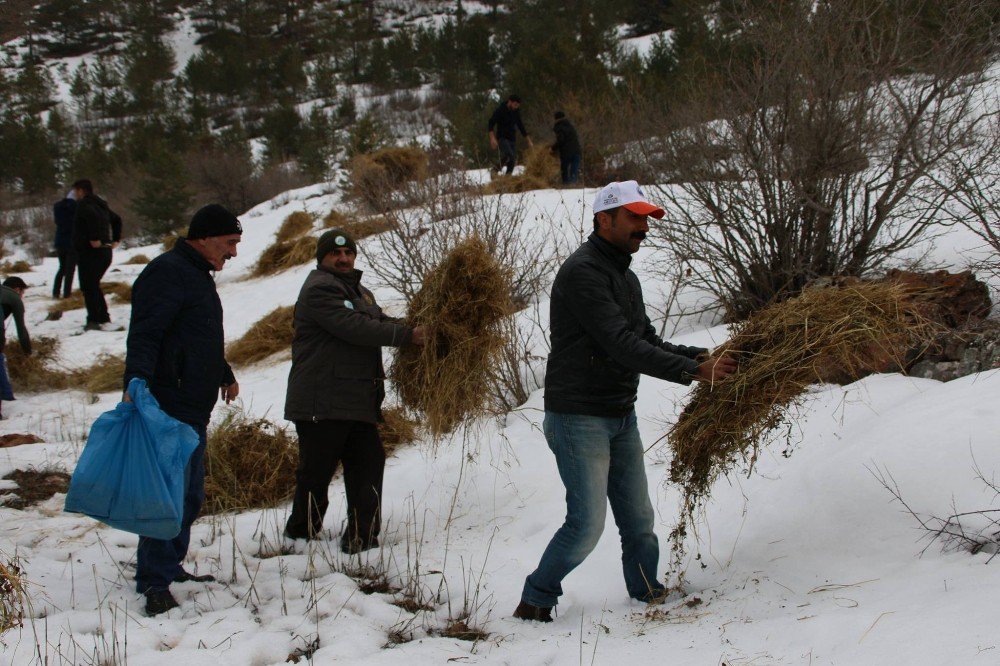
{"x":627,"y":194}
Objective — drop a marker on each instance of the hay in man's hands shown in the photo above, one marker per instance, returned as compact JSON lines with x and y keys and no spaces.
{"x":462,"y":303}
{"x":829,"y":334}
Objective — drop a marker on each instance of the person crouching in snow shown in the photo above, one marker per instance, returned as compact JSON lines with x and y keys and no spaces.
{"x":11,"y":295}
{"x":176,"y":343}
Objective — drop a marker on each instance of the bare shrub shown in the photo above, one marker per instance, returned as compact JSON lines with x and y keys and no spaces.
{"x":269,"y":335}
{"x":822,"y":151}
{"x":249,"y":464}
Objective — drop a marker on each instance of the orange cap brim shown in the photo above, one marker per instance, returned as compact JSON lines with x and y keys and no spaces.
{"x":643,"y":208}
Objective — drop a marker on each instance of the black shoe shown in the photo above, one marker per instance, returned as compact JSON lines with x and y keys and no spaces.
{"x":526,"y":611}
{"x":656,"y":596}
{"x":159,"y":602}
{"x":355,"y":546}
{"x":186,"y":577}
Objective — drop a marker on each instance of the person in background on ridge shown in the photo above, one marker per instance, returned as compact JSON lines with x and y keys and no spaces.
{"x":176,"y":343}
{"x":335,"y":393}
{"x":503,"y":126}
{"x":567,"y":145}
{"x":602,"y":340}
{"x":97,"y":230}
{"x":11,"y":299}
{"x":63,"y":213}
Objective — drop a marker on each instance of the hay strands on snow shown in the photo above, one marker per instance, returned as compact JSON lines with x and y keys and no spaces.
{"x":826,"y":335}
{"x":463,"y":302}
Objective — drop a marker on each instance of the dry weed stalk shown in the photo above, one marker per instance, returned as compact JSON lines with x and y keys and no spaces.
{"x":249,"y":464}
{"x":269,"y":335}
{"x":13,"y":597}
{"x":463,"y":303}
{"x":828,"y":334}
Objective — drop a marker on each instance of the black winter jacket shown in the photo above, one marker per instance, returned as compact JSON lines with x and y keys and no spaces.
{"x":175,"y":337}
{"x":506,"y":121}
{"x":64,"y":211}
{"x":567,"y":141}
{"x":94,"y":221}
{"x":337,"y":369}
{"x":601,"y":337}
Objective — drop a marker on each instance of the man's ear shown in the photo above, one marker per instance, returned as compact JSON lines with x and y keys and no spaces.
{"x":603,"y":220}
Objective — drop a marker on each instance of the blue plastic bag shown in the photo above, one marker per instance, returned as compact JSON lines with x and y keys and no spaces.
{"x":132,"y":470}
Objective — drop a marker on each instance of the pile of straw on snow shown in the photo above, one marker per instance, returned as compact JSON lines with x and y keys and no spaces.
{"x":541,"y":171}
{"x":40,"y":371}
{"x":249,"y":464}
{"x":826,"y":335}
{"x":462,"y":302}
{"x":269,"y":335}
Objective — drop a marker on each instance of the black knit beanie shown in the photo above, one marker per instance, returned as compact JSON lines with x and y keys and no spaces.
{"x":213,"y":220}
{"x":333,"y":239}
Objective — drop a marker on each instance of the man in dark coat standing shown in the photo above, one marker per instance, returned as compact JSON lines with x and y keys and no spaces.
{"x":602,"y":341}
{"x":503,"y":126}
{"x":568,"y":146}
{"x":64,"y":211}
{"x":176,"y":343}
{"x":97,"y":230}
{"x":335,"y":393}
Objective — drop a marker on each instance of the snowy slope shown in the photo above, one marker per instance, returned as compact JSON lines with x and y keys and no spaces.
{"x":806,"y":561}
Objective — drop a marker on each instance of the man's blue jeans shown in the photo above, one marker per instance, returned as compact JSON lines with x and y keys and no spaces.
{"x":600,"y":460}
{"x":158,"y":561}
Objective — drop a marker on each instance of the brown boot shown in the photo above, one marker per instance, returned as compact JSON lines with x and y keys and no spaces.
{"x":526,"y":611}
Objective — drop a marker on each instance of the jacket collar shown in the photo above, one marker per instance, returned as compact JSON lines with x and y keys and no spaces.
{"x":620,"y":260}
{"x":183,"y":248}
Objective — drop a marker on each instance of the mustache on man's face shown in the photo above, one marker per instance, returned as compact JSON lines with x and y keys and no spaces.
{"x":641,"y":235}
{"x":227,"y":257}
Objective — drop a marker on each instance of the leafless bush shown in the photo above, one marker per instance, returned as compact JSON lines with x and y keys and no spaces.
{"x":976,"y":531}
{"x":443,"y":211}
{"x":822,"y":151}
{"x":521,"y":370}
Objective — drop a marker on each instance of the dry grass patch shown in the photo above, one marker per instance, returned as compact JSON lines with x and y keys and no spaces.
{"x":34,"y":486}
{"x":463,"y":302}
{"x":136,"y":260}
{"x":295,"y":225}
{"x":334,"y":219}
{"x":17,"y":439}
{"x":463,"y":631}
{"x":39,"y":372}
{"x":121,"y":292}
{"x":269,"y":335}
{"x":283,"y":255}
{"x":249,"y":464}
{"x":397,"y":429}
{"x":828,"y":334}
{"x":541,"y":171}
{"x":372,"y":174}
{"x":13,"y":596}
{"x":20,"y":266}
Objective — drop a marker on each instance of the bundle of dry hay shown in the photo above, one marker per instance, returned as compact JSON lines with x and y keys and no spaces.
{"x":283,"y":255}
{"x":371,"y":174}
{"x":13,"y":597}
{"x":397,"y":429}
{"x":541,"y":171}
{"x":19,"y":266}
{"x":826,"y":335}
{"x":462,"y":302}
{"x":136,"y":260}
{"x":249,"y":464}
{"x":270,"y":334}
{"x":36,"y":373}
{"x":120,"y":291}
{"x":295,"y":225}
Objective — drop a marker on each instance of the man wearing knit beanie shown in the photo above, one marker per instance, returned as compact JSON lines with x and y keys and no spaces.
{"x":335,"y":393}
{"x":176,"y":344}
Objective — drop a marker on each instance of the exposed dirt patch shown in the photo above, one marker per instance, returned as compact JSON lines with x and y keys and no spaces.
{"x":17,"y":439}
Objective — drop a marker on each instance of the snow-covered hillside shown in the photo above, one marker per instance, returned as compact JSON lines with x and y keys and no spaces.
{"x":809,"y":560}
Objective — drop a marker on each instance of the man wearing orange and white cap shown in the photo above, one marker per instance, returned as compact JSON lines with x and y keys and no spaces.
{"x":602,"y":341}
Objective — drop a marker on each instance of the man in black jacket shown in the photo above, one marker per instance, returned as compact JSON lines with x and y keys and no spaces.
{"x":503,"y":126}
{"x":568,"y":146}
{"x":602,"y":341}
{"x":64,"y":212}
{"x":176,"y":343}
{"x":97,"y":230}
{"x":11,"y":295}
{"x":335,"y":393}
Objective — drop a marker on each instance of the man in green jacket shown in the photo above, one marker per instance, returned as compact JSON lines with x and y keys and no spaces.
{"x":335,"y":393}
{"x":11,"y":294}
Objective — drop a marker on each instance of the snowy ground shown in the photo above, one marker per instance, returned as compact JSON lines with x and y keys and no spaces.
{"x":806,"y":561}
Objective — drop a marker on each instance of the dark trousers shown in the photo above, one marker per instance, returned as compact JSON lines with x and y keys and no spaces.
{"x":570,"y":168}
{"x":158,"y":561}
{"x":67,"y":266}
{"x":508,"y":155}
{"x":322,"y":445}
{"x":92,"y":265}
